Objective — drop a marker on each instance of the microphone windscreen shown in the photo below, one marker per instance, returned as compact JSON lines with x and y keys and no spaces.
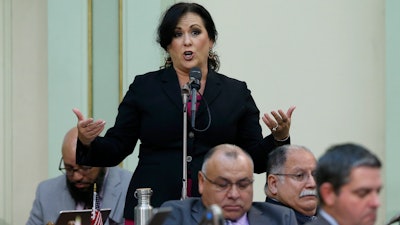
{"x":195,"y":73}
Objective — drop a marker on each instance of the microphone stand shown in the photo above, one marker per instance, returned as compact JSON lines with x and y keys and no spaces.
{"x":185,"y":97}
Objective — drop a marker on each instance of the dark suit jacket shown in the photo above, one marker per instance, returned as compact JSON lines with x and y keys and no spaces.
{"x":152,"y":112}
{"x":301,"y":218}
{"x":320,"y":220}
{"x":191,"y":211}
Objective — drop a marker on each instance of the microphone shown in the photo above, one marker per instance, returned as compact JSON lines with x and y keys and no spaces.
{"x":212,"y":216}
{"x":194,"y":83}
{"x":394,"y":219}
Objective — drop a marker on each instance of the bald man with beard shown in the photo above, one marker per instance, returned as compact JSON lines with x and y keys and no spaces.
{"x":74,"y":189}
{"x":290,"y":181}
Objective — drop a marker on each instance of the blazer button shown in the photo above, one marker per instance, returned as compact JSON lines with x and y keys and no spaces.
{"x":188,"y":158}
{"x":191,"y":134}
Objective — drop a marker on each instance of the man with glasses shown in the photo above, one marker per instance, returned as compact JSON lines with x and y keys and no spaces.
{"x":226,"y":179}
{"x":290,"y":181}
{"x":74,"y":189}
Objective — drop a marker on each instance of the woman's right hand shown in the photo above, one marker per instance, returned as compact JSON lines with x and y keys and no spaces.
{"x":88,"y":129}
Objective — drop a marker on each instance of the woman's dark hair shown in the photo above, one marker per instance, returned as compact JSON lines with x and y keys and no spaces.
{"x":171,"y":17}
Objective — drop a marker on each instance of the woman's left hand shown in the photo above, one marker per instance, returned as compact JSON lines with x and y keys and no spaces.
{"x":280,"y":123}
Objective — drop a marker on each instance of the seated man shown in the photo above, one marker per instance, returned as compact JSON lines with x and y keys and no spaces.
{"x":290,"y":181}
{"x":226,"y":179}
{"x":74,"y":190}
{"x":348,"y":183}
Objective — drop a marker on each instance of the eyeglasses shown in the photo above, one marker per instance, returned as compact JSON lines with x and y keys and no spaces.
{"x":225,"y":185}
{"x":69,"y":171}
{"x":300,"y":177}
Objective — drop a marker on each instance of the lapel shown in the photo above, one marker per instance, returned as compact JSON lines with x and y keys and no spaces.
{"x":170,"y":85}
{"x":197,"y":211}
{"x":66,"y":199}
{"x":254,"y":216}
{"x":212,"y":90}
{"x":112,"y":191}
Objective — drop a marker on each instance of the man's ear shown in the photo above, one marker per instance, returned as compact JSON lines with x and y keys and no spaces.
{"x":200,"y":178}
{"x":272,"y":181}
{"x":327,"y":193}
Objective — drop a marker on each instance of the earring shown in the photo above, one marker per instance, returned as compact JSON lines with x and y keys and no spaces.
{"x":168,"y":60}
{"x":211,"y":54}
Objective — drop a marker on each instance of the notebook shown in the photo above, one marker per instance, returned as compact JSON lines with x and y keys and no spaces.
{"x":66,"y":216}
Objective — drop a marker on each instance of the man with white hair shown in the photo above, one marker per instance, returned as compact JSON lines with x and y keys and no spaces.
{"x":290,"y":181}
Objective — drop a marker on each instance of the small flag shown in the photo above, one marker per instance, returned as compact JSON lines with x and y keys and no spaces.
{"x":96,"y":214}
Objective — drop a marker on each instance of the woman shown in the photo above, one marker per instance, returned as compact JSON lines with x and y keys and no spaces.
{"x":152,"y":110}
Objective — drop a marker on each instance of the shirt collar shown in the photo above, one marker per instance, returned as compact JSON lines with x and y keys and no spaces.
{"x":328,"y":217}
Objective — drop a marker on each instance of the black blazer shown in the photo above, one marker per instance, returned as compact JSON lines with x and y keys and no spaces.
{"x":191,"y":211}
{"x":152,"y":112}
